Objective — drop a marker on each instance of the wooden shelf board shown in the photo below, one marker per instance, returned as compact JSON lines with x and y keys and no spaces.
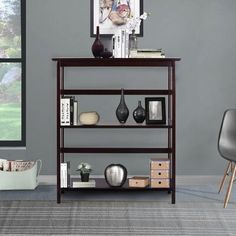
{"x":102,"y":185}
{"x":117,"y":62}
{"x":115,"y":92}
{"x":119,"y":126}
{"x":114,"y":150}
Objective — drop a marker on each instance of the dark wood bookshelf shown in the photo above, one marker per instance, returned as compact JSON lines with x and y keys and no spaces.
{"x":170,"y":92}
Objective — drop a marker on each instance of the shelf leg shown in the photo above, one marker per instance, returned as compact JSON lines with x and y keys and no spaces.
{"x":173,"y":197}
{"x":58,"y":197}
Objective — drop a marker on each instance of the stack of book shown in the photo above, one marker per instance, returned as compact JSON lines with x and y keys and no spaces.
{"x":77,"y":183}
{"x":68,"y":111}
{"x":120,"y":44}
{"x":148,"y":53}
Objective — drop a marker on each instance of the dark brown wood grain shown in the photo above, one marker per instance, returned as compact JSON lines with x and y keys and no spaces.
{"x":169,"y":64}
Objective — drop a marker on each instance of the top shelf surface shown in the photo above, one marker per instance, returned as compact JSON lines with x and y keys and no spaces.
{"x":124,"y":62}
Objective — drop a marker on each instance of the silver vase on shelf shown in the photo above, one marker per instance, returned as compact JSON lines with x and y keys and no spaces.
{"x":115,"y":175}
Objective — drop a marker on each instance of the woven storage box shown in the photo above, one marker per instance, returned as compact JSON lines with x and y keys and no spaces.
{"x":160,"y":183}
{"x":139,"y":182}
{"x":161,"y":174}
{"x":160,"y":164}
{"x":21,"y":180}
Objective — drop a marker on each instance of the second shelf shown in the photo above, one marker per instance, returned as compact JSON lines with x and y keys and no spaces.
{"x":115,"y":92}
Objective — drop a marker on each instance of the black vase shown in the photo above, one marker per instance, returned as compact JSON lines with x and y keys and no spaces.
{"x":84,"y":177}
{"x":139,"y":113}
{"x":97,"y":46}
{"x":122,"y":111}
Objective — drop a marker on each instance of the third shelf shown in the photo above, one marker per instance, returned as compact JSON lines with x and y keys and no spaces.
{"x":114,"y":150}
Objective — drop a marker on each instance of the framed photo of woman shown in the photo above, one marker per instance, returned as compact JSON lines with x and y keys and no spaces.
{"x":111,"y":15}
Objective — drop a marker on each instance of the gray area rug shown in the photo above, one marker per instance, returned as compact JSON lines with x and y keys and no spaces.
{"x":116,"y":218}
{"x":201,"y":193}
{"x":198,"y":211}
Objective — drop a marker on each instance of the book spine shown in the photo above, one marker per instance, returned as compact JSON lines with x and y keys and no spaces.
{"x":75,"y":113}
{"x":126,"y":44}
{"x":67,"y":111}
{"x":68,"y":174}
{"x":113,"y":45}
{"x":149,"y":55}
{"x":122,"y":43}
{"x":63,"y":175}
{"x":84,"y":185}
{"x":118,"y":44}
{"x":72,"y":110}
{"x":62,"y":111}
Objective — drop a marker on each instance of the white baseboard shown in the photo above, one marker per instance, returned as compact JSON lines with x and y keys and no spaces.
{"x":47,"y":179}
{"x":180,"y":179}
{"x":198,"y":179}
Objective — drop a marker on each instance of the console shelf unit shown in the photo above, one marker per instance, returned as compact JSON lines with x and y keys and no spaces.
{"x":170,"y":150}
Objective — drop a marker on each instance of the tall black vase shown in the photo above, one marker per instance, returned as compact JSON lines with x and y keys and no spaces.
{"x":97,"y":46}
{"x":139,"y":113}
{"x":122,"y":111}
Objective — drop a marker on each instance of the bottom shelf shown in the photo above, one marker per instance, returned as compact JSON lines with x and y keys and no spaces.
{"x":101,"y":184}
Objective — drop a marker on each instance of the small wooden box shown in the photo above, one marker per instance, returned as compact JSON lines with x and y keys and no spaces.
{"x":160,"y":174}
{"x":160,"y":164}
{"x":139,"y":182}
{"x":160,"y":183}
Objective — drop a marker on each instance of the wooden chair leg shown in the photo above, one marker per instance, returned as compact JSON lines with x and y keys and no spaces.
{"x":230,"y":187}
{"x":225,"y":174}
{"x":232,"y":167}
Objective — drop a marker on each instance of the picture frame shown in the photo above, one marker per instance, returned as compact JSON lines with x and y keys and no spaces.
{"x":155,"y":109}
{"x":111,"y":15}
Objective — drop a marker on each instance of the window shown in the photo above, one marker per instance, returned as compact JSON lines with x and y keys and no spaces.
{"x":12,"y":72}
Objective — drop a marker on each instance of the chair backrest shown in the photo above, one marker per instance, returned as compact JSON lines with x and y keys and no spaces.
{"x":227,"y":135}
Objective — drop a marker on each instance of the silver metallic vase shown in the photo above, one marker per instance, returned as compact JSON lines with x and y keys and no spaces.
{"x":115,"y":175}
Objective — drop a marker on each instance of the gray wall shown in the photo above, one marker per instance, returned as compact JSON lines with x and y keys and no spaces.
{"x":201,"y":32}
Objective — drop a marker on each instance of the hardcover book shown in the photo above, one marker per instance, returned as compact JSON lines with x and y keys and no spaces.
{"x":77,"y":183}
{"x":65,"y":111}
{"x":65,"y":175}
{"x":75,"y":112}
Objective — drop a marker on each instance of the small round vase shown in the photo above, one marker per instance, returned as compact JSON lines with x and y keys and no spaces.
{"x":84,"y":177}
{"x":139,"y":113}
{"x":97,"y":47}
{"x":106,"y":54}
{"x":115,"y":175}
{"x":122,"y":111}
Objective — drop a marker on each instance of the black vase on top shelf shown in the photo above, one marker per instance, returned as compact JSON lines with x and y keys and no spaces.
{"x":97,"y":47}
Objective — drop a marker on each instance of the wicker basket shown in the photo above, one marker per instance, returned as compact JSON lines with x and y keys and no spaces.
{"x":21,"y":180}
